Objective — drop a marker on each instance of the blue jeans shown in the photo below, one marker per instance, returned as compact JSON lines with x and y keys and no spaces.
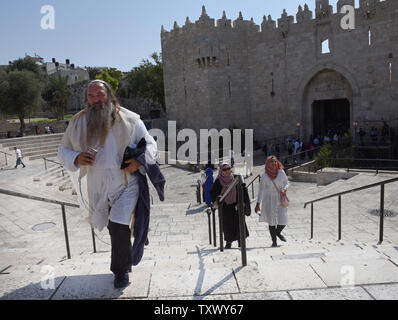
{"x":19,"y":161}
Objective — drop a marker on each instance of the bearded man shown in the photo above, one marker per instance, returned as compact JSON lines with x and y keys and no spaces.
{"x":95,"y":142}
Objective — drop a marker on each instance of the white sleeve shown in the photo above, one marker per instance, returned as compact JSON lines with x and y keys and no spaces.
{"x":65,"y":154}
{"x":151,"y":146}
{"x":67,"y":157}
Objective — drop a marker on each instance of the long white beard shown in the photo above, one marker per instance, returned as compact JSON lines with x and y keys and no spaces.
{"x":99,"y":122}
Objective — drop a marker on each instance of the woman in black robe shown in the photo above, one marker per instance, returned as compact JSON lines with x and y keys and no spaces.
{"x":230,"y":205}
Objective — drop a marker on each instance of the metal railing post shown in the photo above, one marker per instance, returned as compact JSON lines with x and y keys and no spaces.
{"x":198,"y":196}
{"x":242,"y":229}
{"x":208,"y":211}
{"x":340,"y":217}
{"x":93,"y":236}
{"x":381,"y":213}
{"x":220,"y":222}
{"x":312,"y":220}
{"x":213,"y":212}
{"x":65,"y":231}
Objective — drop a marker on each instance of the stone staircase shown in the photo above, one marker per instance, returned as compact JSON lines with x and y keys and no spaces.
{"x":56,"y":177}
{"x":34,"y":147}
{"x":179,"y":262}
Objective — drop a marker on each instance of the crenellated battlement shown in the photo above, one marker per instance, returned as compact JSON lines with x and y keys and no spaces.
{"x":323,"y":13}
{"x":222,"y":73}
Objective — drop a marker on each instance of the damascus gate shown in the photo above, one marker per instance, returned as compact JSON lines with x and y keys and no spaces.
{"x":309,"y":71}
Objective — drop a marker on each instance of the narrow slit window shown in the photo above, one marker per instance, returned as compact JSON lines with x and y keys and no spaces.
{"x":370,"y":36}
{"x":325,"y":46}
{"x":390,"y":66}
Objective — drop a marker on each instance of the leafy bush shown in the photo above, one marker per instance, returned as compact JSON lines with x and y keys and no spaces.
{"x":330,"y":152}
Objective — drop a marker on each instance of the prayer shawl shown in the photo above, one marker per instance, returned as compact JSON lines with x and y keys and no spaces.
{"x":123,"y":130}
{"x":74,"y":139}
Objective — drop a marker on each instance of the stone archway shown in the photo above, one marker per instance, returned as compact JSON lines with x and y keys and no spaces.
{"x":327,"y":84}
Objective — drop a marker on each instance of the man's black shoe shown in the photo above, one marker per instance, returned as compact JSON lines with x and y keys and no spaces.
{"x":228,"y":245}
{"x":121,"y":280}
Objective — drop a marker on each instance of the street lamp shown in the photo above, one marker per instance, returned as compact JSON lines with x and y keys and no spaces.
{"x":355,"y":124}
{"x":298,"y":124}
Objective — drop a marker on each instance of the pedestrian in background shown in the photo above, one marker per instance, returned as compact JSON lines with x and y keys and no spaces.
{"x":19,"y":158}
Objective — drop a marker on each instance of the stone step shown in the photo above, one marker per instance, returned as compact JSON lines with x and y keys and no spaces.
{"x":41,"y":147}
{"x":32,"y":139}
{"x":41,"y":152}
{"x":44,"y":155}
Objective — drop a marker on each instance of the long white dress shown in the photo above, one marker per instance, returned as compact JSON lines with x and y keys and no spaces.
{"x":269,"y":198}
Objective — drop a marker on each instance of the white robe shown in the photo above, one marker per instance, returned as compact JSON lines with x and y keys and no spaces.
{"x":269,"y":198}
{"x":106,"y":185}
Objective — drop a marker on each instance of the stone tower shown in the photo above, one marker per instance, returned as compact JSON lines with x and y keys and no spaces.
{"x":236,"y":74}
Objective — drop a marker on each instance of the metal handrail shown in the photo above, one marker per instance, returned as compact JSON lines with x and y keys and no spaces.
{"x":252,"y":184}
{"x":45,"y":163}
{"x":362,"y":159}
{"x":339,"y":194}
{"x":376,"y":167}
{"x":5,"y":156}
{"x":61,"y":203}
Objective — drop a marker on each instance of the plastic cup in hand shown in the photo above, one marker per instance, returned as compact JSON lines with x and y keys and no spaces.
{"x":93,"y":152}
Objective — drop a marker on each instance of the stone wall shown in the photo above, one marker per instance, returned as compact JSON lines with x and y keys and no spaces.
{"x":266,"y":77}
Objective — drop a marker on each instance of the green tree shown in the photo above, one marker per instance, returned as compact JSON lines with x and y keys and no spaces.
{"x":93,"y":72}
{"x":20,"y":94}
{"x":57,"y":95}
{"x":115,"y":73}
{"x":26,"y":63}
{"x":146,"y":80}
{"x":105,"y":76}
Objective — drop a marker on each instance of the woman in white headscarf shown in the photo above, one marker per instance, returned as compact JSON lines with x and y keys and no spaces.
{"x":273,"y":185}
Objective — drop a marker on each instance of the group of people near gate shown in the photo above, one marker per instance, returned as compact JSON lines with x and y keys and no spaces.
{"x":111,"y":157}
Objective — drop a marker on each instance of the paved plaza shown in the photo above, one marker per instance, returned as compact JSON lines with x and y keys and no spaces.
{"x":179,"y":263}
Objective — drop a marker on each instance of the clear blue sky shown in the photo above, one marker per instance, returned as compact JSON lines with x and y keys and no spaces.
{"x":117,"y":33}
